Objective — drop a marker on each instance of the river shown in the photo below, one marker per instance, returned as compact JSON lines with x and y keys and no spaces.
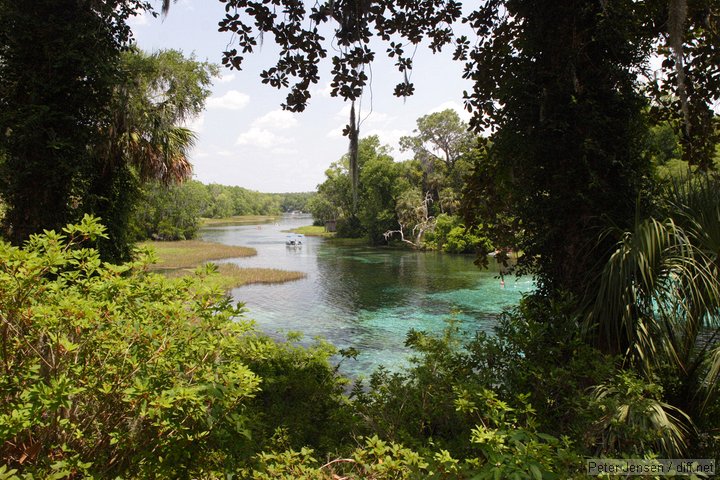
{"x":364,"y":297}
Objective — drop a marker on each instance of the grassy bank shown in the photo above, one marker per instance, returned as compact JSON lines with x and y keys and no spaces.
{"x":237,"y":220}
{"x":177,"y":259}
{"x":313,"y":231}
{"x":191,"y":253}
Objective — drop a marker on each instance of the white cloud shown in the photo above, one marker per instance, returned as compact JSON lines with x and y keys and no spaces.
{"x":374,"y":119}
{"x":196,"y":124}
{"x":344,"y":112}
{"x":186,"y":4}
{"x":371,"y":123}
{"x":201,"y":155}
{"x":261,"y":138}
{"x":284,"y":151}
{"x":262,"y":132}
{"x":336,"y":132}
{"x":388,"y":137}
{"x":324,"y":91}
{"x":225,"y":153}
{"x":222,"y":78}
{"x":464,"y":114}
{"x":276,"y":119}
{"x":232,"y":100}
{"x":367,"y":117}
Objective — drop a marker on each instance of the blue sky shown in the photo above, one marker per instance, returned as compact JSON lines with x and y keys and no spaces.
{"x":245,"y":139}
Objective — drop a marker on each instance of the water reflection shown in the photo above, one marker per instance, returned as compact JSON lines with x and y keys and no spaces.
{"x":363,"y":297}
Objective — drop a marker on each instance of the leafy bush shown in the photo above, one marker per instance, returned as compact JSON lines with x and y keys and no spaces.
{"x":633,"y":419}
{"x":539,"y":349}
{"x":349,"y":228}
{"x":418,"y":404}
{"x":301,"y":402}
{"x":109,"y":370}
{"x":462,"y":240}
{"x":460,"y":404}
{"x":374,"y":459}
{"x":437,"y":237}
{"x":451,"y":236}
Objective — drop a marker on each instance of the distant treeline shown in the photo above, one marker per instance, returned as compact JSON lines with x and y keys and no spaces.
{"x":174,"y":212}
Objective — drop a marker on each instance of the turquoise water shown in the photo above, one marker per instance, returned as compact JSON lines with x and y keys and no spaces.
{"x":361,"y":297}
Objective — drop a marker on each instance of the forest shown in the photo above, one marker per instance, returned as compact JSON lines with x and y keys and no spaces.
{"x":604,"y":178}
{"x":175,"y":211}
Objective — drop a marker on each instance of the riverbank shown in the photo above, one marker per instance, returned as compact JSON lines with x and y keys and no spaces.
{"x":181,"y":258}
{"x":238,"y":220}
{"x":313,"y":231}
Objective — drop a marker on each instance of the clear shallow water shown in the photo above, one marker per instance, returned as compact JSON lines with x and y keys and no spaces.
{"x":367,"y":298}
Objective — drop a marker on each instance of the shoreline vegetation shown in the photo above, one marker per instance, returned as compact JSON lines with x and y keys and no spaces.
{"x":181,"y":258}
{"x":237,"y":220}
{"x":312,"y":231}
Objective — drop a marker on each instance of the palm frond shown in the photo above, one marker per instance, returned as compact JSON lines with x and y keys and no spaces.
{"x":162,"y":156}
{"x":635,"y":415}
{"x":659,"y":291}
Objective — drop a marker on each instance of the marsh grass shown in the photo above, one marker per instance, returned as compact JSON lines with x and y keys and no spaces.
{"x":178,"y":259}
{"x":191,"y":253}
{"x":231,"y":276}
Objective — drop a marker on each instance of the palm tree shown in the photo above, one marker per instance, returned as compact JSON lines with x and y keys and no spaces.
{"x":144,"y":138}
{"x":658,"y":304}
{"x":162,"y":92}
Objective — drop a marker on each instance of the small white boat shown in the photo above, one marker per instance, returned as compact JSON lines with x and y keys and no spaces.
{"x":295,"y":240}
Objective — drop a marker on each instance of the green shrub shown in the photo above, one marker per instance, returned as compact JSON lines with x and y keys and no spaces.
{"x":301,"y":402}
{"x":108,"y":370}
{"x":450,"y":235}
{"x":462,"y":240}
{"x":633,"y":418}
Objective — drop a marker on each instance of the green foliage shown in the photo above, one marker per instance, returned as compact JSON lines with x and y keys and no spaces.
{"x":570,"y":145}
{"x":296,"y":201}
{"x":105,"y":368}
{"x":440,"y":419}
{"x":658,"y":301}
{"x":143,"y":141}
{"x":549,"y":357}
{"x":168,"y":212}
{"x":89,"y":119}
{"x":58,"y":66}
{"x":509,"y":444}
{"x":173,"y":212}
{"x":414,"y":406}
{"x":301,"y":402}
{"x":451,"y":236}
{"x":221,"y":201}
{"x":634,"y":420}
{"x":374,"y":459}
{"x":663,"y":144}
{"x":321,"y":209}
{"x":380,"y":183}
{"x":441,"y":136}
{"x":109,"y":370}
{"x":402,"y":199}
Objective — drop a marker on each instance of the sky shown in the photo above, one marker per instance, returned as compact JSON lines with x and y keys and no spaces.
{"x":246,"y":139}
